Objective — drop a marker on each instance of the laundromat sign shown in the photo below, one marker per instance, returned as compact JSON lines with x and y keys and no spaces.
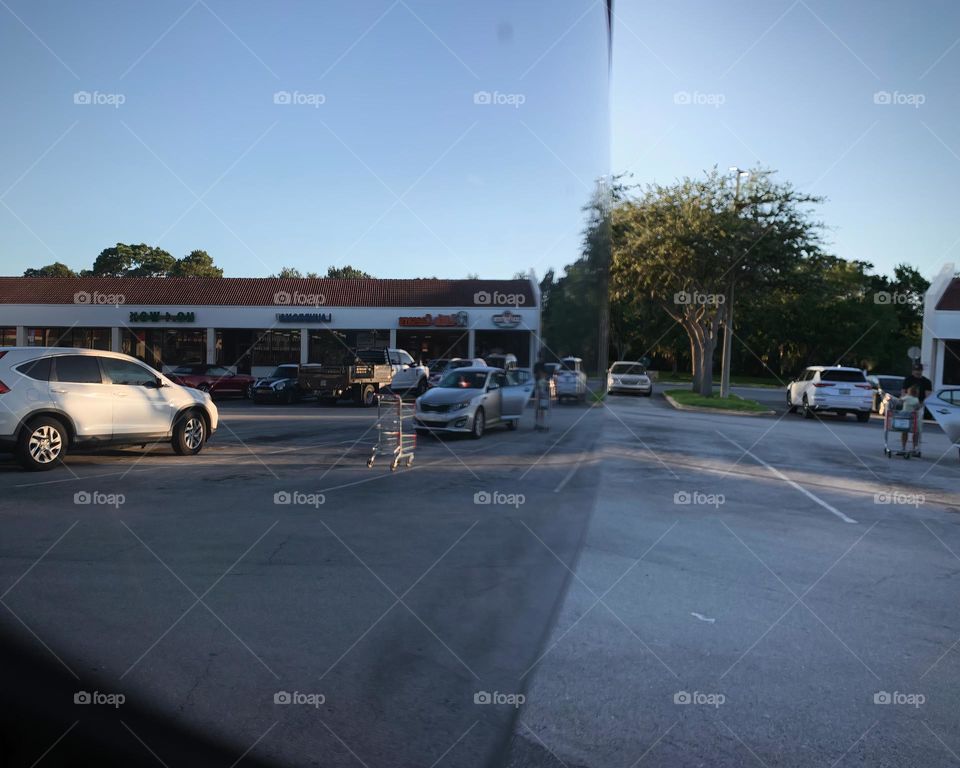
{"x":163,"y":316}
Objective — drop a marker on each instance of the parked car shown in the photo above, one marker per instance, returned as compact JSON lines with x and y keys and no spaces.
{"x":436,"y":372}
{"x":831,"y":388}
{"x":626,"y":376}
{"x":944,"y":406}
{"x":884,"y":385}
{"x":408,"y":376}
{"x":280,"y":386}
{"x":571,"y":380}
{"x":215,"y":379}
{"x":469,"y":400}
{"x":55,"y":400}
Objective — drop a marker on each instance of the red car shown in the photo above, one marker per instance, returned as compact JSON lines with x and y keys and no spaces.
{"x":214,"y":379}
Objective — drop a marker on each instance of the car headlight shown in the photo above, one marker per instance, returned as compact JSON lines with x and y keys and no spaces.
{"x":278,"y":385}
{"x":461,"y":406}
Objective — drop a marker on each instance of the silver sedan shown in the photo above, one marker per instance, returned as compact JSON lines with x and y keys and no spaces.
{"x":469,"y":400}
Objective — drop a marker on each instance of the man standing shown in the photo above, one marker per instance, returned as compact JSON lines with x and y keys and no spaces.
{"x":917,"y":379}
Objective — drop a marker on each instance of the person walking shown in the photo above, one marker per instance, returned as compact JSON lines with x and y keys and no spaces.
{"x":541,"y":400}
{"x":917,"y":379}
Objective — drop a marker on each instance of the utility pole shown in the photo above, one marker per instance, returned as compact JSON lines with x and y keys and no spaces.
{"x":728,"y":315}
{"x":603,"y":336}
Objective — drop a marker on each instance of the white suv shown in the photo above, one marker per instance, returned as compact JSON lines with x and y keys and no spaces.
{"x":55,"y":399}
{"x":831,"y":388}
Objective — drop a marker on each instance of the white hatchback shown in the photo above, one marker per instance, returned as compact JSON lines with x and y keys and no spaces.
{"x":55,"y":399}
{"x":832,"y":388}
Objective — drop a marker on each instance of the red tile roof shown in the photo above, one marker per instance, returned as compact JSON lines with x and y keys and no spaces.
{"x":258,"y":291}
{"x":950,"y":300}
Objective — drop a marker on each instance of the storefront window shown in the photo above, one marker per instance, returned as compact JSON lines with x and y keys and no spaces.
{"x":8,"y":337}
{"x":504,"y":342}
{"x":275,"y":348}
{"x":951,"y":362}
{"x":85,"y":338}
{"x":159,"y":347}
{"x":329,"y":346}
{"x":429,"y":345}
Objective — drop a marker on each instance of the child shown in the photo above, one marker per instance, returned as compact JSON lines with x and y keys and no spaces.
{"x":910,"y":404}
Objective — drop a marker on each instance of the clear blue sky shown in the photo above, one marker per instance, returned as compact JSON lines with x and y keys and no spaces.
{"x":797,"y":81}
{"x":495,"y":188}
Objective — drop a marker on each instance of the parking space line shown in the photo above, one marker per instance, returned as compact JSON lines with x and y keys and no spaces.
{"x":570,"y":474}
{"x":790,"y":482}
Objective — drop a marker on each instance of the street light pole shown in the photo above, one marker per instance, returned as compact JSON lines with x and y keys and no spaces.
{"x":728,"y":318}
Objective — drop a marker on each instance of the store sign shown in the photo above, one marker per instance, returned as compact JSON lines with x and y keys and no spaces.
{"x":163,"y":317}
{"x":304,"y":317}
{"x":456,"y":320}
{"x":507,"y":319}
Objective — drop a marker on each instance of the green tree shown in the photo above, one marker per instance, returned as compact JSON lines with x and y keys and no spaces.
{"x":57,"y":269}
{"x":133,"y":261}
{"x":196,"y":264}
{"x":294,"y":272}
{"x":347,"y":273}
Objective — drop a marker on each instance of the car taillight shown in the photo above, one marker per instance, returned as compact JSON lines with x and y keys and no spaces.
{"x":3,"y":387}
{"x":824,"y":384}
{"x":863,"y":386}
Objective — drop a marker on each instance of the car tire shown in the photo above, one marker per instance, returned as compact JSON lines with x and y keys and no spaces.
{"x":479,"y":424}
{"x":863,"y":417}
{"x":248,"y":392}
{"x":288,"y":397}
{"x":368,"y":395}
{"x":806,"y":410}
{"x":42,"y":444}
{"x":791,"y":408}
{"x":421,"y":387}
{"x":189,"y":434}
{"x":512,"y":424}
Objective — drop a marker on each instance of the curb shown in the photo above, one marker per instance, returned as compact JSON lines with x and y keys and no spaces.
{"x":724,"y":411}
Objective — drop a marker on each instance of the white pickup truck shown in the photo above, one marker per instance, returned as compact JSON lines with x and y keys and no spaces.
{"x":409,"y":377}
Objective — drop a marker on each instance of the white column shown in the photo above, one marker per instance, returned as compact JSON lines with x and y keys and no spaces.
{"x":211,"y":345}
{"x":471,"y":343}
{"x":393,"y":338}
{"x":115,"y":340}
{"x":21,"y":336}
{"x":304,"y":346}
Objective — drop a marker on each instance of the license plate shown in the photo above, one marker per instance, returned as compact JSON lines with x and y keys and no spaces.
{"x":844,"y":391}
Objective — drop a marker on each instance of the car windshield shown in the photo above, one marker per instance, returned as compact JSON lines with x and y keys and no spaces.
{"x":842,"y":376}
{"x":891,"y":383}
{"x":464,"y":380}
{"x":628,"y":368}
{"x":459,"y":364}
{"x":569,"y":365}
{"x":185,"y":370}
{"x":284,"y":372}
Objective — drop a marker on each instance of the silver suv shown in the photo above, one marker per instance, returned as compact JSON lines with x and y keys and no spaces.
{"x":54,"y":400}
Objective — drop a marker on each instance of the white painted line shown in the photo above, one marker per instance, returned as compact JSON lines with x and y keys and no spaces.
{"x":702,"y":617}
{"x":790,"y":482}
{"x":570,"y":474}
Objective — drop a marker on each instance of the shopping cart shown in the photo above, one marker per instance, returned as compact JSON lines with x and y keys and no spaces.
{"x":901,"y":423}
{"x":392,"y":440}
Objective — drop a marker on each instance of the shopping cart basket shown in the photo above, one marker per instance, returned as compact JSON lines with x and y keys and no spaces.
{"x":392,"y":439}
{"x":902,"y":423}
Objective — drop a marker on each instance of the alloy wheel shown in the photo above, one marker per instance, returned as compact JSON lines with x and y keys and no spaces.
{"x":45,"y":444}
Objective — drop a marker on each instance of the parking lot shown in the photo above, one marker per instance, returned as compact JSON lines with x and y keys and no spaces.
{"x":637,"y":585}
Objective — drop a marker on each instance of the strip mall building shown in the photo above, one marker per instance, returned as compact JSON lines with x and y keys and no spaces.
{"x":941,"y":329}
{"x":254,"y":324}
